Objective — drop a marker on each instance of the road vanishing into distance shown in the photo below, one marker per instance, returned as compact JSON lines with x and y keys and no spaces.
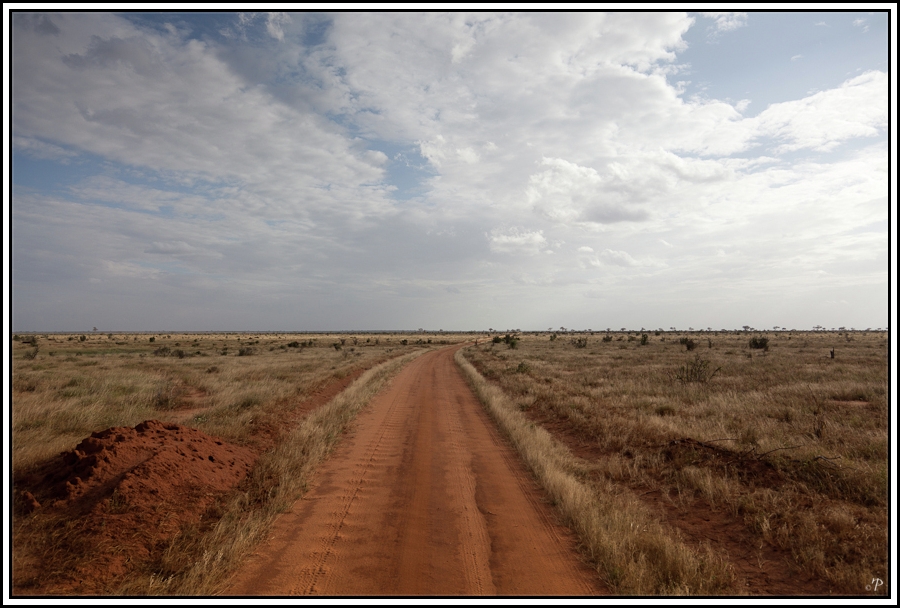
{"x":421,"y":497}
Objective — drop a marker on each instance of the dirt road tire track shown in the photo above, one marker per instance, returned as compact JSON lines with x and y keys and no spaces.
{"x":422,"y":497}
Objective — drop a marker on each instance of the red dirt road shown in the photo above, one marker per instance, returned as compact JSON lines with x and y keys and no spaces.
{"x":423,"y":497}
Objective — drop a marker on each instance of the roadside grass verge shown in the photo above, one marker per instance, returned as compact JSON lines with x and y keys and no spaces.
{"x":634,"y":554}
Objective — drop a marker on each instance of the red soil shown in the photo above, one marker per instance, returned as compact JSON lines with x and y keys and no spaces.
{"x":127,"y":490}
{"x":118,"y":499}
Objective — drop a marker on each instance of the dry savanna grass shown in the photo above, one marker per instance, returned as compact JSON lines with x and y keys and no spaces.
{"x":222,"y":384}
{"x":676,"y":466}
{"x":240,"y":387}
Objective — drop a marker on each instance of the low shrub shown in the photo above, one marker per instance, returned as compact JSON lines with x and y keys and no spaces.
{"x":698,"y":370}
{"x":760,"y":342}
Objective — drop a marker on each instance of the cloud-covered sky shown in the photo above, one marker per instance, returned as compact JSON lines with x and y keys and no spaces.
{"x":456,"y":171}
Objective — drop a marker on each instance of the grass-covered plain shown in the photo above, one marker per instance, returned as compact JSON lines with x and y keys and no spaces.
{"x":67,"y":386}
{"x":763,"y":431}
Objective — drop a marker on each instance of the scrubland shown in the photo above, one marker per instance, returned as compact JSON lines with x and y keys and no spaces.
{"x":723,"y":469}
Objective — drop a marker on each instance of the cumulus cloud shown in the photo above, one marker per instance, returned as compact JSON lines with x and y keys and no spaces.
{"x":567,"y":192}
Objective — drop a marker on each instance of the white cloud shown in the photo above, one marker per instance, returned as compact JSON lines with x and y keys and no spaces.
{"x":517,"y":240}
{"x":858,"y":108}
{"x":40,"y":149}
{"x":725,"y":22}
{"x":274,"y":24}
{"x":567,"y":192}
{"x":619,"y":258}
{"x":155,"y":100}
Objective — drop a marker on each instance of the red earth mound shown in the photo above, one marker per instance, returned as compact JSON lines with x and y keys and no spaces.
{"x":126,"y":491}
{"x":118,"y":499}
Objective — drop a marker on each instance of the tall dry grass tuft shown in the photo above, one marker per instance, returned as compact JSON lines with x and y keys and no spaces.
{"x":629,"y":547}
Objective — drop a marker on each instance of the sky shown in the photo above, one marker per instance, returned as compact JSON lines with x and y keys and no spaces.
{"x":459,"y":171}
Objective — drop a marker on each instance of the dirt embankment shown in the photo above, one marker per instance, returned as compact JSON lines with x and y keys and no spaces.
{"x":118,"y":496}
